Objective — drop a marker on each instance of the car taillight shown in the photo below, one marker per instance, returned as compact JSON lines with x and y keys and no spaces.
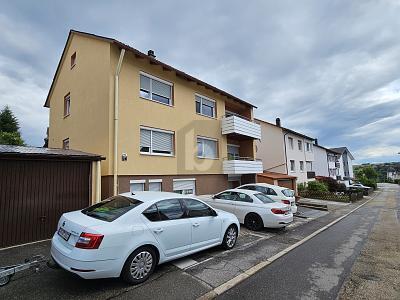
{"x":286,"y":202}
{"x":89,"y":241}
{"x":278,"y":211}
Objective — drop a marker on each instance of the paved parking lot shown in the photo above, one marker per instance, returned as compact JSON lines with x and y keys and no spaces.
{"x":187,"y":278}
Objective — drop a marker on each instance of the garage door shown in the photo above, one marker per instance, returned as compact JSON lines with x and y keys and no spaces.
{"x":185,"y":186}
{"x":288,"y":183}
{"x":34,"y":194}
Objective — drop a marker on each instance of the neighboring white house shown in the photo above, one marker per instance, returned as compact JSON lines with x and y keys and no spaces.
{"x":299,"y":150}
{"x":345,"y":173}
{"x":393,"y":175}
{"x":326,"y":161}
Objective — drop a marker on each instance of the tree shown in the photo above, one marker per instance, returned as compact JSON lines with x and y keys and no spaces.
{"x":9,"y":128}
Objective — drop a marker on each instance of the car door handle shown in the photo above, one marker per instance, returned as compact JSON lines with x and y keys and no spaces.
{"x":196,"y":224}
{"x":158,"y":230}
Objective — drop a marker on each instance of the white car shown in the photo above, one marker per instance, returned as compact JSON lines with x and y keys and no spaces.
{"x":275,"y":192}
{"x":358,"y":186}
{"x":128,"y":235}
{"x":253,"y":209}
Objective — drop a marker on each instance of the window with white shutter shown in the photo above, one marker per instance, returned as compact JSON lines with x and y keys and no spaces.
{"x":155,"y":185}
{"x":136,"y":185}
{"x":207,"y":148}
{"x":156,"y":142}
{"x":156,"y":89}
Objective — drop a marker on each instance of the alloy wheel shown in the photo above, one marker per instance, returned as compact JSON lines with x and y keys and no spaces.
{"x":231,"y":237}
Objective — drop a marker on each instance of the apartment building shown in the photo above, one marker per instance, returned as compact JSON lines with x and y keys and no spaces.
{"x":158,"y":127}
{"x":345,"y":163}
{"x":326,"y":162}
{"x":283,"y":150}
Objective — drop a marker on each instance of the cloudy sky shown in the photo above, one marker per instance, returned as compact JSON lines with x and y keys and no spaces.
{"x":329,"y":69}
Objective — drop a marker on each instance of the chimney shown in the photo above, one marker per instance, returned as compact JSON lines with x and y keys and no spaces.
{"x":278,"y":122}
{"x":316,"y":142}
{"x":151,"y":53}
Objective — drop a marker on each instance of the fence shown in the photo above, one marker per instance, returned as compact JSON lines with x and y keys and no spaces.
{"x":339,"y":196}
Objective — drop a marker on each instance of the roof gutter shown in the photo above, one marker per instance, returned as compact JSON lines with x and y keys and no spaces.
{"x":116,"y":116}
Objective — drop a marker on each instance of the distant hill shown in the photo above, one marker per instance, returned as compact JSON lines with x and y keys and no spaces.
{"x":382,"y":168}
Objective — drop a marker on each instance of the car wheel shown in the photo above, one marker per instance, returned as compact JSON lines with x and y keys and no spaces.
{"x":139,"y":265}
{"x":253,"y":222}
{"x":230,"y":237}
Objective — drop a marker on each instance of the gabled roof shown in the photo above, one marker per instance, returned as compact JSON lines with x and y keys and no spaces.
{"x":287,"y":130}
{"x":341,"y":150}
{"x":8,"y":151}
{"x":327,"y":149}
{"x":152,"y":60}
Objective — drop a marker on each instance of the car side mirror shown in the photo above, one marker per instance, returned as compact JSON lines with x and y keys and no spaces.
{"x":214,"y":213}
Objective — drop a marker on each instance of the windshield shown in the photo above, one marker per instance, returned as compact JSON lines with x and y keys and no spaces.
{"x":288,"y":193}
{"x":264,"y":198}
{"x":111,"y":208}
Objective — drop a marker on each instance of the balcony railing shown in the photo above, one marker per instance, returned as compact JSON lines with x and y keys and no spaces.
{"x":242,"y":165}
{"x":233,"y":124}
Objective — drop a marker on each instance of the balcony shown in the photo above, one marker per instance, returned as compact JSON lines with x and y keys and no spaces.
{"x":242,"y":165}
{"x":238,"y":126}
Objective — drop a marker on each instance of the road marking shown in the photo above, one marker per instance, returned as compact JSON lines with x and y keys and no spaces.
{"x":246,"y":274}
{"x":185,"y":263}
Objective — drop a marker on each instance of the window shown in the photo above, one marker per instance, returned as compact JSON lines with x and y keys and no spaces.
{"x":156,"y":89}
{"x":300,"y":144}
{"x":184,"y":186}
{"x":197,"y":209}
{"x":170,"y":209}
{"x":271,"y":192}
{"x":65,"y":144}
{"x":111,"y":208}
{"x":226,"y":196}
{"x":233,"y":151}
{"x":152,"y":213}
{"x":288,"y":193}
{"x":207,"y":148}
{"x":248,"y":187}
{"x":67,"y":105}
{"x":263,"y":198}
{"x":205,"y":106}
{"x":137,"y":185}
{"x":290,"y":142}
{"x":156,"y":142}
{"x":73,"y":60}
{"x":243,"y":198}
{"x":155,"y":185}
{"x":309,"y":165}
{"x":292,"y":166}
{"x":302,"y":166}
{"x":308,"y":147}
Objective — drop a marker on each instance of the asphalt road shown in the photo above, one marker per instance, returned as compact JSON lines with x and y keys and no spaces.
{"x":318,"y":268}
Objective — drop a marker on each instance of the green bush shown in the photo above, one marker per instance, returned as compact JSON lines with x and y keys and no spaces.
{"x":301,"y":187}
{"x":368,"y":182}
{"x":317,"y":186}
{"x":332,"y":184}
{"x":396,"y":181}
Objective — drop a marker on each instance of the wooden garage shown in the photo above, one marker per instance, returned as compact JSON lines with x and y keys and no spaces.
{"x":37,"y":185}
{"x":279,"y":179}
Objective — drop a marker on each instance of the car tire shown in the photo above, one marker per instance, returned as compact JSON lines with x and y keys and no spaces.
{"x":230,"y":237}
{"x":139,"y":265}
{"x":253,"y":222}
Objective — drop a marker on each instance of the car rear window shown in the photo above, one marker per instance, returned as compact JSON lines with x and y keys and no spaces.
{"x":111,"y":208}
{"x":288,"y":193}
{"x":264,"y":198}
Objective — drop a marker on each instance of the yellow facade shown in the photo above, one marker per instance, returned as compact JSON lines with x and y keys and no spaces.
{"x":90,"y":125}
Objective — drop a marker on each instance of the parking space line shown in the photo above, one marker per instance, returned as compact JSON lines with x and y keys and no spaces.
{"x":244,"y":275}
{"x":184,"y":263}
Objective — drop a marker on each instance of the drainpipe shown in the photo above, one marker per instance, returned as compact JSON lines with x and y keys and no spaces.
{"x":98,"y":181}
{"x":116,"y":101}
{"x":286,"y":162}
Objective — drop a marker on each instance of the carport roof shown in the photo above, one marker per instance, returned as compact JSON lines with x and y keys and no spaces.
{"x":9,"y":151}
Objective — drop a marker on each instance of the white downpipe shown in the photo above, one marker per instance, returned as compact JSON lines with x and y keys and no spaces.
{"x":98,"y":181}
{"x":116,"y":102}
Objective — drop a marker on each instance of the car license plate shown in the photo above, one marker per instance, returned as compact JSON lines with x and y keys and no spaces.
{"x":64,"y":234}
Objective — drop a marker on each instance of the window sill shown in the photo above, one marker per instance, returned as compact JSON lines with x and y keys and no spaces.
{"x":157,"y":154}
{"x":148,"y":99}
{"x":203,"y":157}
{"x":214,"y":118}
